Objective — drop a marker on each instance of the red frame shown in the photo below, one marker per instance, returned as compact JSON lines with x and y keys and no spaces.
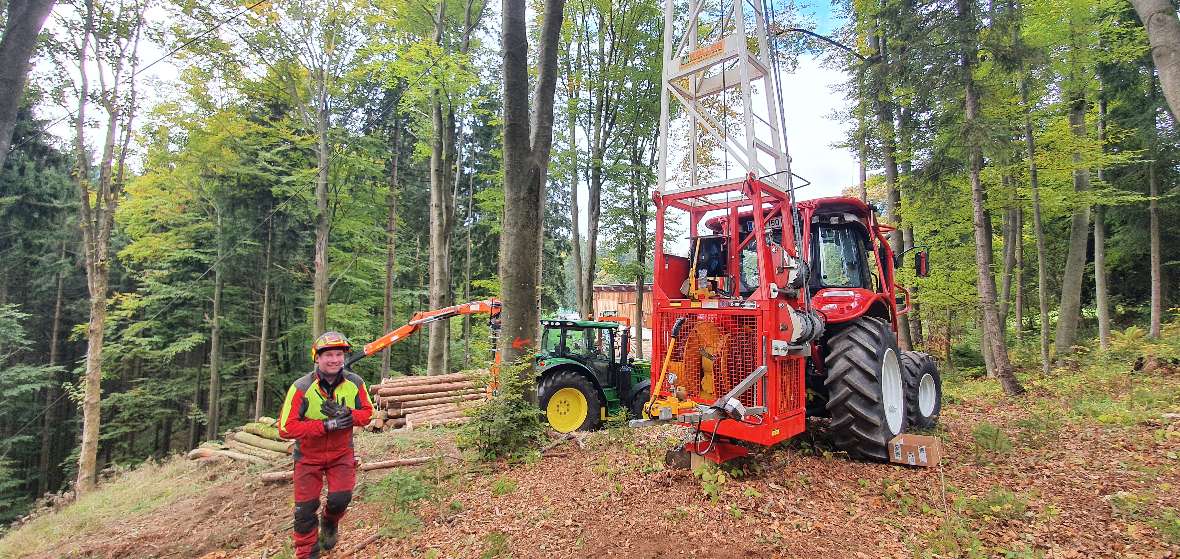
{"x":785,"y":373}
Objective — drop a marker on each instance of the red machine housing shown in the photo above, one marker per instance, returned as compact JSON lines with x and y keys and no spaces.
{"x":752,"y":325}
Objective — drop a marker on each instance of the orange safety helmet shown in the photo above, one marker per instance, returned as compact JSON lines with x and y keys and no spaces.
{"x":329,"y":340}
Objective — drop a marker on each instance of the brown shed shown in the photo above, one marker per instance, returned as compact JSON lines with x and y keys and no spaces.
{"x":618,"y":299}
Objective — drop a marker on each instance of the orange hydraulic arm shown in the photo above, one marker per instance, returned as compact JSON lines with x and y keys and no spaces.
{"x":490,"y":307}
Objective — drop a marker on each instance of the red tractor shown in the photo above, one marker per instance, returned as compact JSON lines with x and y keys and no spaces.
{"x":781,"y":311}
{"x":775,"y":309}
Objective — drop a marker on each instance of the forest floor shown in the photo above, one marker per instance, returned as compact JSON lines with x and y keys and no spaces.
{"x":1086,"y":465}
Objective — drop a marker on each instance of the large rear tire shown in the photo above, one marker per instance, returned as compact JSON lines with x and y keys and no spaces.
{"x":923,"y":389}
{"x":866,"y":388}
{"x":569,"y":401}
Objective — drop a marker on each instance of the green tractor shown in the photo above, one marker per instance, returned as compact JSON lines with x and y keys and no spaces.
{"x":585,"y":372}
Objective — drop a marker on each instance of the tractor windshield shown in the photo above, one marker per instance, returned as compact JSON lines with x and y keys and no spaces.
{"x":841,"y":257}
{"x":551,"y":341}
{"x":590,"y":343}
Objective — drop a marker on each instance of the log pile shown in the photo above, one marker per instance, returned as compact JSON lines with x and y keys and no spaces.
{"x":421,"y":401}
{"x":256,"y":443}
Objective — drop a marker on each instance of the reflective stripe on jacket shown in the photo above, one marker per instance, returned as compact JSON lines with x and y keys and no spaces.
{"x":302,"y":420}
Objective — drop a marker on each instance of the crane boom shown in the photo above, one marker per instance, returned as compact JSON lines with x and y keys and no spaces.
{"x":490,"y":307}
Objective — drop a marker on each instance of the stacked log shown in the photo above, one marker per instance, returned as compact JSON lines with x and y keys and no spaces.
{"x":257,"y":442}
{"x":420,"y":401}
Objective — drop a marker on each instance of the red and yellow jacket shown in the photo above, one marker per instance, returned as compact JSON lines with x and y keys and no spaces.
{"x":302,"y":420}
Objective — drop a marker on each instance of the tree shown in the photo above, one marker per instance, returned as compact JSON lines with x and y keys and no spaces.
{"x":993,"y":340}
{"x":115,"y":32}
{"x":23,"y":24}
{"x":528,"y":138}
{"x":1163,"y":30}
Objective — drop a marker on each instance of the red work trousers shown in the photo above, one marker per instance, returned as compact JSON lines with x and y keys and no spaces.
{"x":308,"y":481}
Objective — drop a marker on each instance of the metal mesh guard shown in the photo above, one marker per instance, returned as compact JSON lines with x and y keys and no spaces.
{"x":713,"y":353}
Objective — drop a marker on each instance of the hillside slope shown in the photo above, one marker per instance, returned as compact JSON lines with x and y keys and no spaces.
{"x":1087,"y":465}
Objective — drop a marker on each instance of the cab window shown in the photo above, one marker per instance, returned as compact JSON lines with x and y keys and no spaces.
{"x":551,"y":341}
{"x":840,"y":255}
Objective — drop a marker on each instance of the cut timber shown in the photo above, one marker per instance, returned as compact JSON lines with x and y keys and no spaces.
{"x":206,"y":452}
{"x":263,"y":430}
{"x":407,"y":398}
{"x":450,"y":410}
{"x":268,"y":421}
{"x":407,"y":381}
{"x":425,"y":388}
{"x":256,"y":441}
{"x":268,"y":455}
{"x":383,"y":464}
{"x":442,"y":422}
{"x":443,"y":400}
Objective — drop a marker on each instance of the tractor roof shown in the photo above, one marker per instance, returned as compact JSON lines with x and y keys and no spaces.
{"x":835,"y":204}
{"x":579,"y":324}
{"x":831,"y":204}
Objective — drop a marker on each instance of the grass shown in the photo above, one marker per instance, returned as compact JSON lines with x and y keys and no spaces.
{"x":137,"y":492}
{"x":397,"y":495}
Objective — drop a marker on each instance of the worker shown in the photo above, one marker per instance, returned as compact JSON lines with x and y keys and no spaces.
{"x":319,"y":412}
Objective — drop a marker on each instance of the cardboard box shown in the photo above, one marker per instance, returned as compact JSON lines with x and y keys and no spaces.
{"x":915,"y":450}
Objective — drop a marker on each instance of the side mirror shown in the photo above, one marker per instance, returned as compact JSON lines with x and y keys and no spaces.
{"x":922,"y":264}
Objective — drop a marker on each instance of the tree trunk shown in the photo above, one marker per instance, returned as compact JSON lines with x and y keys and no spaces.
{"x":1075,"y":261}
{"x":442,"y":211}
{"x":50,"y":418}
{"x":576,"y":226}
{"x":467,"y":271}
{"x":419,"y":286}
{"x":391,"y":241}
{"x":1019,"y":272}
{"x":1009,"y":235}
{"x":1100,"y":290}
{"x":527,"y":141}
{"x":264,"y":336}
{"x":1157,"y":306}
{"x":983,"y":258}
{"x":25,"y":19}
{"x":213,"y":413}
{"x":888,"y":135}
{"x":319,"y":320}
{"x":1163,"y":32}
{"x":1038,"y":228}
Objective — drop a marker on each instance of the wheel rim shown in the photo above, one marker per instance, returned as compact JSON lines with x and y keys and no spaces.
{"x":891,"y":391}
{"x":567,"y":410}
{"x":927,"y":393}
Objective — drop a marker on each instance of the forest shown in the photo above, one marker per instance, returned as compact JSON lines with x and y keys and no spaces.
{"x":174,"y":241}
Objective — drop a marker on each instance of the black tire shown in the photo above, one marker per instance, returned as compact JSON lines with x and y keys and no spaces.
{"x":555,"y":382}
{"x":919,"y":366}
{"x":638,"y":401}
{"x":859,"y":356}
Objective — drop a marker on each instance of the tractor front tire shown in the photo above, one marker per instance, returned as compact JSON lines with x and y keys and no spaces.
{"x":569,"y":401}
{"x":866,"y":388}
{"x":923,"y":389}
{"x":638,"y":402}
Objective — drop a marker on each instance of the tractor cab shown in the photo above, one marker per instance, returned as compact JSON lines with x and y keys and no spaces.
{"x":585,"y":371}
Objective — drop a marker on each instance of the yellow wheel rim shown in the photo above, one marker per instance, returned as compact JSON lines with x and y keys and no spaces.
{"x":567,"y":410}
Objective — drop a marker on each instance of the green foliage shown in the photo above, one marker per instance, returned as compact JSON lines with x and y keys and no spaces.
{"x":397,"y":495}
{"x":990,"y":440}
{"x":495,"y":545}
{"x":503,"y":486}
{"x":997,"y":504}
{"x":712,"y":480}
{"x":507,"y":425}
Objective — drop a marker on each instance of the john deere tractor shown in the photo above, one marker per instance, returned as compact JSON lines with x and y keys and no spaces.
{"x":585,"y":372}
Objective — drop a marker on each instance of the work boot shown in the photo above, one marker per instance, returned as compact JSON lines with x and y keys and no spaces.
{"x":315,"y":553}
{"x":328,"y":531}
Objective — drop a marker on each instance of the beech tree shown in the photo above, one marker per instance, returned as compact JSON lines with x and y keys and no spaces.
{"x":528,"y":138}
